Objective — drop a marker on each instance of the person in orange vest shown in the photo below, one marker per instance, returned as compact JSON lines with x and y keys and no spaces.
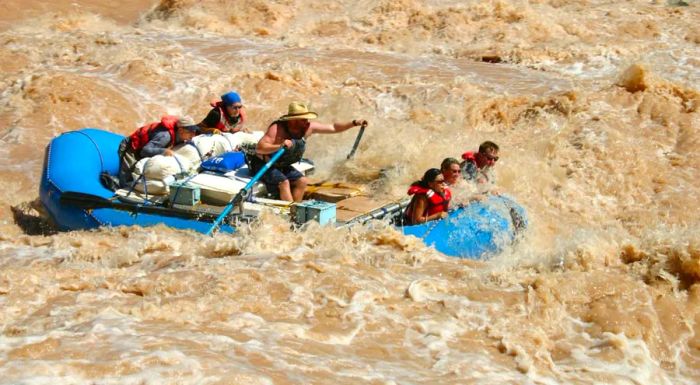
{"x":153,"y":139}
{"x":478,"y":167}
{"x":431,"y":198}
{"x":227,"y":115}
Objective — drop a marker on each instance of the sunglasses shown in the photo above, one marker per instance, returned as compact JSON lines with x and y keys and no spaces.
{"x":440,"y":181}
{"x":491,"y":157}
{"x":235,"y":107}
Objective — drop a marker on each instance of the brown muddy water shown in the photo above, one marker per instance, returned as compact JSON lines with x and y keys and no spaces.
{"x":595,"y":107}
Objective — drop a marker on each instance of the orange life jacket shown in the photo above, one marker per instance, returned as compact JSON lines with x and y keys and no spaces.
{"x":141,"y":136}
{"x":223,"y":124}
{"x":436,"y":202}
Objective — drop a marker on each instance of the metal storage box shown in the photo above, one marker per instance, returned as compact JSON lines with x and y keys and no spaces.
{"x":319,"y":211}
{"x":184,"y":194}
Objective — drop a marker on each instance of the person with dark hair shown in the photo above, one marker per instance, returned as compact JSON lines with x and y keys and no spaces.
{"x":450,"y":170}
{"x":431,"y":198}
{"x":227,"y":115}
{"x":478,"y":166}
{"x":290,"y":131}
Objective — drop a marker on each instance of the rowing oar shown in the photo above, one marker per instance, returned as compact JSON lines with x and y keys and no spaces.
{"x":90,"y":202}
{"x":244,"y":190}
{"x":357,"y":140}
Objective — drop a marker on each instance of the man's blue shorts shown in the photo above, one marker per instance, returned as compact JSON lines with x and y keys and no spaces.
{"x":275,"y":175}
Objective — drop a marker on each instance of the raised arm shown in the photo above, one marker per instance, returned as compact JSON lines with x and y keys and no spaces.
{"x":324,"y":128}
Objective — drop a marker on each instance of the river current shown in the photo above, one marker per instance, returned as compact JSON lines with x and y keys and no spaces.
{"x":593,"y":103}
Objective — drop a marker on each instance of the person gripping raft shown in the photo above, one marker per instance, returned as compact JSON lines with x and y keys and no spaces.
{"x":226,"y":115}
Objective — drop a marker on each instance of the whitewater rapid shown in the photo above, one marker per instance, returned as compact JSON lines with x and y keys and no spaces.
{"x":594,"y":105}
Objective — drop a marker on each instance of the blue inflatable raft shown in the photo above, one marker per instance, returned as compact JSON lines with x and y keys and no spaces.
{"x":477,"y":230}
{"x":75,"y":199}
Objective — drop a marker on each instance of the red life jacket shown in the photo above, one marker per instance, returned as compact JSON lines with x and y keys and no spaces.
{"x":223,"y":124}
{"x":141,"y":136}
{"x":436,"y":203}
{"x":469,"y":156}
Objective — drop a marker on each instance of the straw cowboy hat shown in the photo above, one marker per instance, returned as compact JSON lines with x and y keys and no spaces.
{"x":298,"y":111}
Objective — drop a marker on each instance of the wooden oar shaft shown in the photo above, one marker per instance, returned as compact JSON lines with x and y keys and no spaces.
{"x":89,"y":202}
